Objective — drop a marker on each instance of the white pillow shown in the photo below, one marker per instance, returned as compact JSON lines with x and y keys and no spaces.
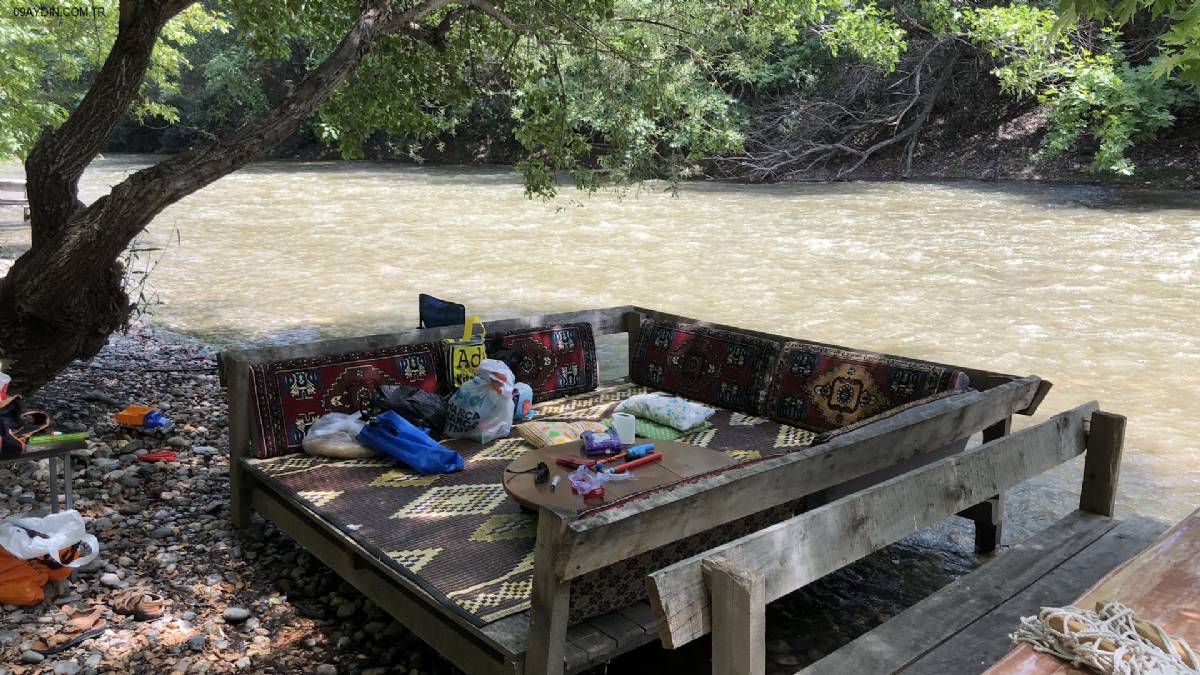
{"x":672,"y":411}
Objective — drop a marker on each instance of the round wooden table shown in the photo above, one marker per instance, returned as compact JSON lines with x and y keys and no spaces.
{"x":679,"y":461}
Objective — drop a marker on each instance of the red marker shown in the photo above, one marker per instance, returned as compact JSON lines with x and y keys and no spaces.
{"x":652,"y":457}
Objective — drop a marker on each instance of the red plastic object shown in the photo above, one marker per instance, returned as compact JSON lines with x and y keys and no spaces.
{"x":598,"y":493}
{"x":574,"y":462}
{"x":652,"y":457}
{"x":160,"y":456}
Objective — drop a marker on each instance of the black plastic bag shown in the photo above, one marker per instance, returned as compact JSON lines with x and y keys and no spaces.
{"x":416,"y":405}
{"x":511,"y":358}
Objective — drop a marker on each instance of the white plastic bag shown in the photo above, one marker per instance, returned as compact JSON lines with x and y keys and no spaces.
{"x":29,"y":538}
{"x":333,"y":435}
{"x":482,"y":409}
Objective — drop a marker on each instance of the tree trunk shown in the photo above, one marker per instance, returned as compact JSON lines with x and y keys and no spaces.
{"x":64,"y":297}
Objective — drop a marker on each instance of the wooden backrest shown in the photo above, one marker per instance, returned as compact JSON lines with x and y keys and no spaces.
{"x":787,"y":556}
{"x":234,"y":365}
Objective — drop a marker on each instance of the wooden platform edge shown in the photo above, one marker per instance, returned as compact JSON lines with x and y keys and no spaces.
{"x":986,"y":640}
{"x":959,"y":603}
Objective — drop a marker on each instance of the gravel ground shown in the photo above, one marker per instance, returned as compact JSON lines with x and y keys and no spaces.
{"x":242,"y":601}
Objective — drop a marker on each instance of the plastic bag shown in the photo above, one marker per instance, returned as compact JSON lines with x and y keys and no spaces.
{"x":30,"y":538}
{"x":414,"y":404}
{"x":523,"y":403}
{"x":585,"y":481}
{"x":396,"y":437}
{"x":334,"y":435}
{"x":482,"y":409}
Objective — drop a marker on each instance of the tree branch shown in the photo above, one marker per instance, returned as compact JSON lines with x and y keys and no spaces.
{"x":111,"y":222}
{"x":60,"y":155}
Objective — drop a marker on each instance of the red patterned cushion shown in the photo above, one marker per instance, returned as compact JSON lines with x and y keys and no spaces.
{"x":291,"y":395}
{"x":555,"y":361}
{"x":823,"y":388}
{"x":705,"y":364}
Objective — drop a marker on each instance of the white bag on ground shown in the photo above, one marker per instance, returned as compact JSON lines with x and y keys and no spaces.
{"x":482,"y":409}
{"x":29,"y":538}
{"x":333,"y":435}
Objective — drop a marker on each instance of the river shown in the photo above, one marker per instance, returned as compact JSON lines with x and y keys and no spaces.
{"x":1093,"y":288}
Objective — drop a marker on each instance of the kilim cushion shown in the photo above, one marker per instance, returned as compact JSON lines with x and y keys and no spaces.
{"x":555,"y":361}
{"x":822,"y":388}
{"x":704,"y":364}
{"x":290,"y":395}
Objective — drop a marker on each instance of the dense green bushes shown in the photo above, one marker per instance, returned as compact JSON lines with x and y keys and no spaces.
{"x":662,"y":88}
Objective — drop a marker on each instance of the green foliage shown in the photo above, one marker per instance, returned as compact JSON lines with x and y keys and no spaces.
{"x":603,"y":91}
{"x":1117,"y":103}
{"x":1086,"y":93}
{"x":48,"y":53}
{"x":1179,"y":54}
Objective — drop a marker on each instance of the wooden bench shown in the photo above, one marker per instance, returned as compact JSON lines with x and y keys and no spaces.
{"x":568,"y":546}
{"x":724,"y":590}
{"x":14,"y":187}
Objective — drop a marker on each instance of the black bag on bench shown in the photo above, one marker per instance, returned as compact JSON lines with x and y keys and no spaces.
{"x":416,"y":405}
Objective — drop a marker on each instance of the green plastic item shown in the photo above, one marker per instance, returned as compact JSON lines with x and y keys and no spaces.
{"x":46,"y":439}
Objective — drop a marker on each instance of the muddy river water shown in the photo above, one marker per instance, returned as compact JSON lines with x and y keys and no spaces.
{"x":1096,"y":289}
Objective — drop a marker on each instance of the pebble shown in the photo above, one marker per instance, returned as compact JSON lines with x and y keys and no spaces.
{"x":162,"y":532}
{"x":197,"y":643}
{"x":65,"y":668}
{"x":109,"y":579}
{"x":29,"y":656}
{"x":235,"y":614}
{"x":327,"y":669}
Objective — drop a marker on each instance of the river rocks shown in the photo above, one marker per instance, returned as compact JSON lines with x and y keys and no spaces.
{"x":65,"y":668}
{"x":235,"y":614}
{"x":29,"y":656}
{"x":327,"y":669}
{"x":109,"y":579}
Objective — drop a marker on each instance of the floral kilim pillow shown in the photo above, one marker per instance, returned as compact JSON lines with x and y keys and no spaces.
{"x":672,"y":411}
{"x":711,"y":365}
{"x":821,"y":388}
{"x":540,"y":434}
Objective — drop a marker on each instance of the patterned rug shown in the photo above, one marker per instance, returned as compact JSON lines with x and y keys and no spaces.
{"x":464,"y":541}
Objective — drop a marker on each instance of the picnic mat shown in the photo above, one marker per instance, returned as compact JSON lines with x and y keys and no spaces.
{"x":466,"y":543}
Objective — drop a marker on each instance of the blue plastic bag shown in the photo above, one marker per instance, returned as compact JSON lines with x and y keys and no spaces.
{"x":392,"y":435}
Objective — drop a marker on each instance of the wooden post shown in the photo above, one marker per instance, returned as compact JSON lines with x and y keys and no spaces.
{"x":989,"y":515}
{"x":550,"y":599}
{"x":241,"y":485}
{"x":1102,"y":467}
{"x":739,"y":623}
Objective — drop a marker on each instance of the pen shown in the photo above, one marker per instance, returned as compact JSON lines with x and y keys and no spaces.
{"x":554,"y":483}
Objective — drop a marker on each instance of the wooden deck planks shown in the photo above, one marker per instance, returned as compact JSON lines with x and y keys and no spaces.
{"x":965,"y":626}
{"x":986,"y":640}
{"x":914,"y":632}
{"x":1161,"y":583}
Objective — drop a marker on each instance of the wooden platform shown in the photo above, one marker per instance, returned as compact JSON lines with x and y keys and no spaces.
{"x":964,"y":627}
{"x":1161,"y":584}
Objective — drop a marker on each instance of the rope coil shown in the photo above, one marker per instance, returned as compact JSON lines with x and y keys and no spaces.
{"x":1110,"y":640}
